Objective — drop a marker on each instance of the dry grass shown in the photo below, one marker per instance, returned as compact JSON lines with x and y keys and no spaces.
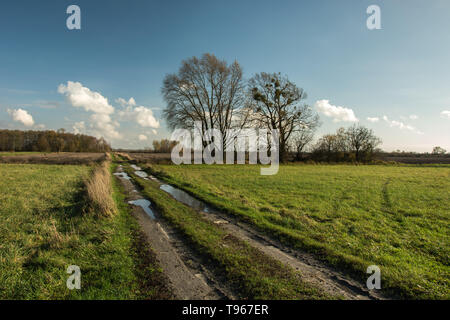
{"x":99,"y":191}
{"x":76,"y":158}
{"x":124,"y":156}
{"x":154,"y":158}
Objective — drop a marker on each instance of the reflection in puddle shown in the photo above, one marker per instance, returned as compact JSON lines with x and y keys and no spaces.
{"x":135,"y":167}
{"x":144,"y":204}
{"x":141,"y":174}
{"x":185,"y":198}
{"x":123,"y":175}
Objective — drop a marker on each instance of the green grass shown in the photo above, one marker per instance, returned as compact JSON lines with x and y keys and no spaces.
{"x":44,"y":228}
{"x":253,"y":274}
{"x":396,"y":217}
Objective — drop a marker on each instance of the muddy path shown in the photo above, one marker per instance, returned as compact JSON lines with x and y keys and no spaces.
{"x":313,"y":271}
{"x":190,"y":277}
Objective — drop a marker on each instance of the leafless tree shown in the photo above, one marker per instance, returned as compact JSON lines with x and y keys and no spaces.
{"x":277,"y":104}
{"x":208,"y":90}
{"x":163,"y":145}
{"x":361,"y":140}
{"x":301,"y":140}
{"x":439,"y":150}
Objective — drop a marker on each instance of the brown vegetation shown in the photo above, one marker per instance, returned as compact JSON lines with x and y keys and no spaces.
{"x":124,"y":156}
{"x":150,"y":157}
{"x":56,"y":158}
{"x":163,"y":145}
{"x":99,"y":191}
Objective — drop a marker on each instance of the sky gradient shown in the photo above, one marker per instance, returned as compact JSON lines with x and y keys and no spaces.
{"x":399,"y":75}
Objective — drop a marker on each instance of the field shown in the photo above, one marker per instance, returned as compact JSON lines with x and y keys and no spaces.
{"x":346,"y":216}
{"x":51,"y":158}
{"x":396,"y":217}
{"x":158,"y":158}
{"x":45,"y":226}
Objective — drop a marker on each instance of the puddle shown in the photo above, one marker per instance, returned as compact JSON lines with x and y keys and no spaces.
{"x":141,"y":174}
{"x":135,"y":167}
{"x":144,"y":204}
{"x":122,"y":175}
{"x":185,"y":198}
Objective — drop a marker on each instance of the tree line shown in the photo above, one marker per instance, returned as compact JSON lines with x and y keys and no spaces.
{"x":50,"y":141}
{"x":356,"y":143}
{"x":213,"y":92}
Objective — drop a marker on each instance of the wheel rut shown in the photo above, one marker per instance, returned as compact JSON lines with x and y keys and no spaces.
{"x":190,"y":278}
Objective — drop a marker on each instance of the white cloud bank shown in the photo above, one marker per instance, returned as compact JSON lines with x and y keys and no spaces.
{"x":445,"y":114}
{"x":338,"y":113}
{"x":22,"y":116}
{"x":79,"y":127}
{"x":142,"y":137}
{"x":83,"y":97}
{"x":101,"y":123}
{"x":142,"y":115}
{"x":401,"y":125}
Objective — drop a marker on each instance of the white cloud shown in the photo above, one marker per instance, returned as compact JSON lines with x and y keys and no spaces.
{"x":401,"y":125}
{"x":154,"y":131}
{"x":142,"y":115}
{"x":21,"y":115}
{"x":124,"y":103}
{"x":79,"y":127}
{"x":83,"y":97}
{"x":445,"y":114}
{"x":142,"y":137}
{"x":338,"y":113}
{"x":373,"y":120}
{"x":101,"y":124}
{"x":413,"y":117}
{"x":40,"y":126}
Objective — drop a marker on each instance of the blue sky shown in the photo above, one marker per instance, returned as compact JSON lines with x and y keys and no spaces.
{"x":399,"y":74}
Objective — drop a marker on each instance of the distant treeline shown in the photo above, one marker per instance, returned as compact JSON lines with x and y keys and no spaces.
{"x":50,"y":141}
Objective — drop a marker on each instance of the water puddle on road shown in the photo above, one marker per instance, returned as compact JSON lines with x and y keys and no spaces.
{"x":185,"y":198}
{"x":135,"y":167}
{"x":123,"y":175}
{"x":144,"y":204}
{"x":141,"y":174}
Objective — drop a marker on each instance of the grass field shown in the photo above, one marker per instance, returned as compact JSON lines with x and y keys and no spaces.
{"x":396,"y":217}
{"x":44,"y":228}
